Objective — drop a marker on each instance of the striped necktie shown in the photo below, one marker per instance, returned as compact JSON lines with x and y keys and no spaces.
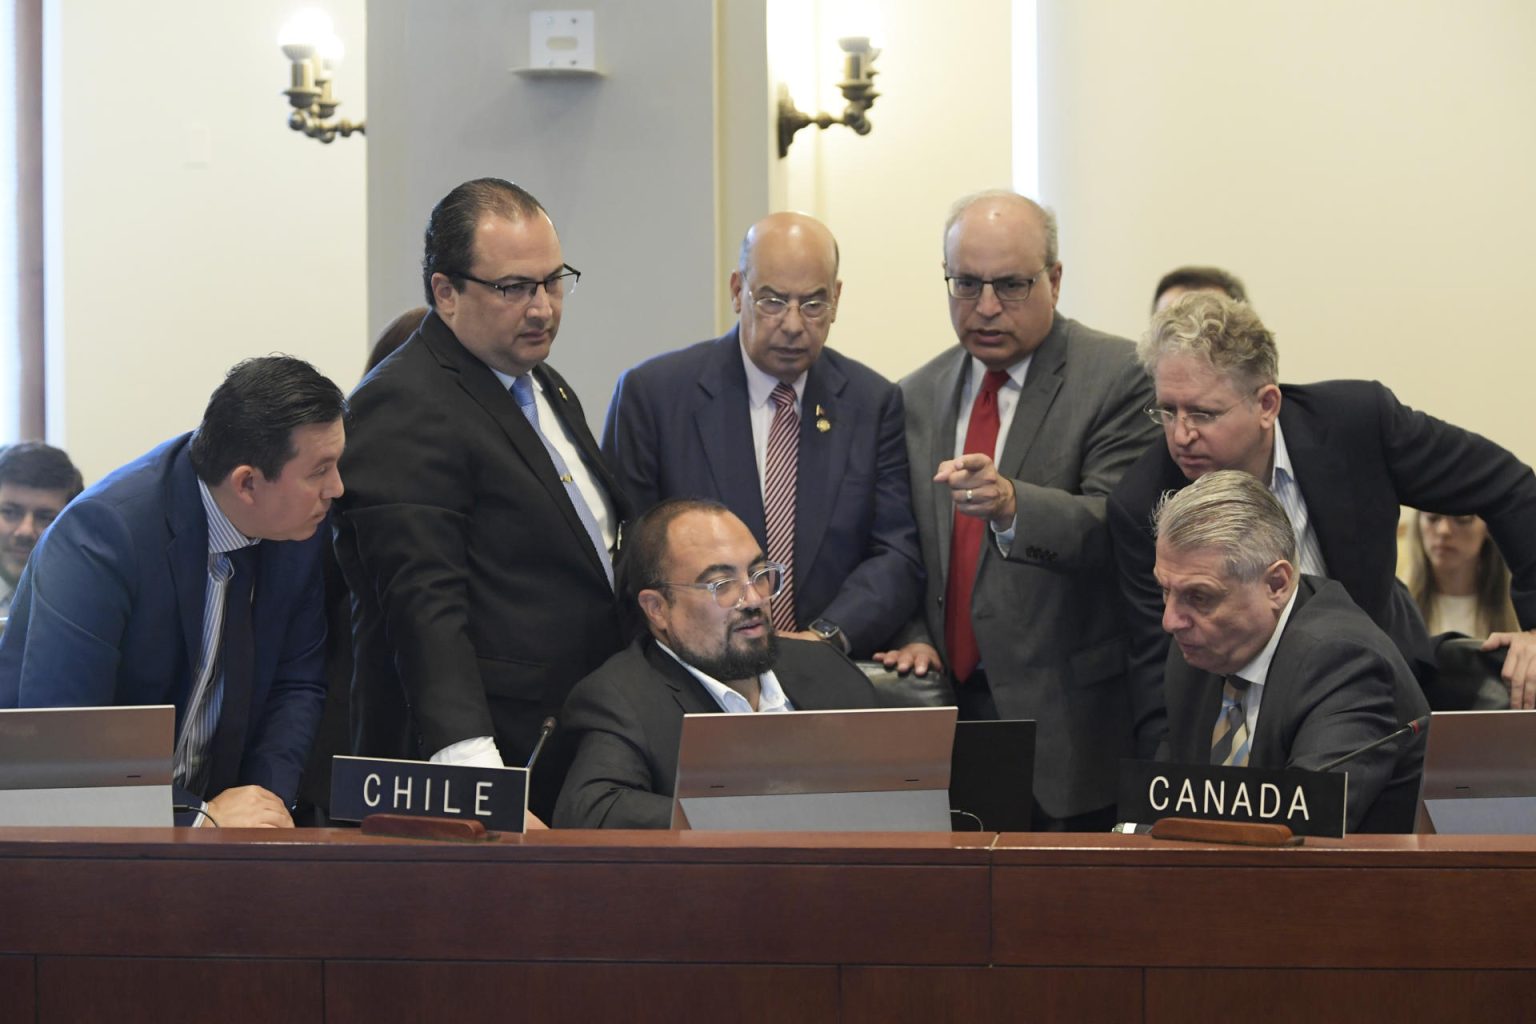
{"x":780,"y":471}
{"x":1230,"y":740}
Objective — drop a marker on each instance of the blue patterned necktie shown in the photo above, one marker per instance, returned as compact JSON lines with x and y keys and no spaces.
{"x":522,"y":390}
{"x":1230,"y":740}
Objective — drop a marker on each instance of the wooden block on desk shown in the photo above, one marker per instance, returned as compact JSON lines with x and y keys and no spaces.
{"x":406,"y":826}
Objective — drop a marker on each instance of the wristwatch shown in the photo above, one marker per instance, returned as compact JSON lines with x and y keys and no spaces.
{"x":831,"y":633}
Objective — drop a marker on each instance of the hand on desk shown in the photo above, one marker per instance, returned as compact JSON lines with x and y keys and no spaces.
{"x":916,"y":658}
{"x":1519,"y":666}
{"x":248,"y":807}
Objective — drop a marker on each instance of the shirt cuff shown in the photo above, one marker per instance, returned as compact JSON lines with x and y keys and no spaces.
{"x":477,"y":752}
{"x":1004,"y":538}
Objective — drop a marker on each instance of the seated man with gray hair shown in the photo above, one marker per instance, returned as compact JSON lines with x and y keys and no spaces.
{"x":1273,"y":669}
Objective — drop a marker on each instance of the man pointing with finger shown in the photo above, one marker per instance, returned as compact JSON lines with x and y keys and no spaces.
{"x":1014,"y":439}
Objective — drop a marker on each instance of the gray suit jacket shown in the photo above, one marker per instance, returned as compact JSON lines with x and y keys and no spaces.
{"x":627,"y":721}
{"x":1047,"y":617}
{"x":1336,"y":683}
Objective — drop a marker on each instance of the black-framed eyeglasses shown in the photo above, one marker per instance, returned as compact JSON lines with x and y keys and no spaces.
{"x":522,"y":292}
{"x":1007,"y":289}
{"x":774,"y":306}
{"x":766,"y":582}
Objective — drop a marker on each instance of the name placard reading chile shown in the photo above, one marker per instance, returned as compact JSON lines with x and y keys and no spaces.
{"x":1309,"y":803}
{"x":496,"y":797}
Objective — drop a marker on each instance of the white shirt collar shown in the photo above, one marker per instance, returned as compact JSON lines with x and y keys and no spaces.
{"x":770,"y":695}
{"x":1016,"y":373}
{"x":1257,"y":670}
{"x":222,"y":535}
{"x":760,"y":385}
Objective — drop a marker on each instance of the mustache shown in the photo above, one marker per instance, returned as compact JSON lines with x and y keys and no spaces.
{"x":749,"y":617}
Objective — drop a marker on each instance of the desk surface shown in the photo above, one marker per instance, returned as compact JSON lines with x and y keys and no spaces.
{"x":336,"y":926}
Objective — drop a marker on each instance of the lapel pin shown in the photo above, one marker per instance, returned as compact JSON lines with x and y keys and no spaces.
{"x":822,"y":423}
{"x":563,"y":396}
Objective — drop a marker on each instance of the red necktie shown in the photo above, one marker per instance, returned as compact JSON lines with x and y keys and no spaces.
{"x":779,"y":500}
{"x":969,"y":535}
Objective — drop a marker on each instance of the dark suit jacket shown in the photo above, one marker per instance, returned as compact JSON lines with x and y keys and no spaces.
{"x":627,"y":718}
{"x":1047,"y":619}
{"x":1358,"y":454}
{"x":1336,"y":683}
{"x":679,"y":427}
{"x":110,"y":611}
{"x":478,"y":600}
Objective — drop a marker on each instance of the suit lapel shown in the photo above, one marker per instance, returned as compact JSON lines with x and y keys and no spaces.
{"x":1041,"y":384}
{"x":689,"y":693}
{"x":1322,"y":473}
{"x":722,"y":418}
{"x":484,"y":388}
{"x":823,"y":458}
{"x":942,"y":446}
{"x":187,"y":554}
{"x":1279,"y":687}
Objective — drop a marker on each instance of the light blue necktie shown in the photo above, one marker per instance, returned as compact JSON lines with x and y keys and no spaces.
{"x":522,"y":390}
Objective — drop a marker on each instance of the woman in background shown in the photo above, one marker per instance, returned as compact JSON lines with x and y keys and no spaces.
{"x":1457,"y":576}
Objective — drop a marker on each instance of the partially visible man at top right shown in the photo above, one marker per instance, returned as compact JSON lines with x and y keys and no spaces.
{"x":36,"y":482}
{"x":1341,"y":456}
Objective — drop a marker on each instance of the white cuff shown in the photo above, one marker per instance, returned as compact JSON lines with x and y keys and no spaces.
{"x":478,"y":752}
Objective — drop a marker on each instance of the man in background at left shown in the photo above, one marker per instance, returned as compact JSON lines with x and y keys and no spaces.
{"x":36,"y":482}
{"x":192,"y":576}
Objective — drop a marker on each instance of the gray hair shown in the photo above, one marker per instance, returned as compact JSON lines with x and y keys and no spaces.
{"x":1046,"y":214}
{"x":1229,"y":511}
{"x":1227,"y":334}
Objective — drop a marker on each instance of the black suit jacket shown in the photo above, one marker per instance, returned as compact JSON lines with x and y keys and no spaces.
{"x":627,"y":719}
{"x":1359,"y":454}
{"x":1336,"y":683}
{"x":679,"y":426}
{"x":478,"y":600}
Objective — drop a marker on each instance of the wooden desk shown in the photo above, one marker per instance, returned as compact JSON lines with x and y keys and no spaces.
{"x":204,"y":925}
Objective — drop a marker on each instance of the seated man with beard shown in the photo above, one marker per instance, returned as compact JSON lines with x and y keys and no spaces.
{"x":701,"y":585}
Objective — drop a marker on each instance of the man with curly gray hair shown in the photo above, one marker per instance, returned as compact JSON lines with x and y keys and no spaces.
{"x":1340,"y":456}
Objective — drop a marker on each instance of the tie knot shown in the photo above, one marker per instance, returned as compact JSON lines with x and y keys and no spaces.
{"x":522,"y":390}
{"x":783,"y":396}
{"x":993,"y":382}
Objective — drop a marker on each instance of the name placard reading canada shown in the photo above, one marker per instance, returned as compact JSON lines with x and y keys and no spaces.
{"x":1309,"y":803}
{"x":496,"y":797}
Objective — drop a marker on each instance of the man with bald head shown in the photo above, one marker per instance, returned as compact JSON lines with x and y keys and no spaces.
{"x":1015,"y":437}
{"x":801,"y":442}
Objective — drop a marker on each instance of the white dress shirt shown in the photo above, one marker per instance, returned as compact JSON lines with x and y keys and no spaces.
{"x":761,"y":410}
{"x":1256,"y":672}
{"x":1007,"y":402}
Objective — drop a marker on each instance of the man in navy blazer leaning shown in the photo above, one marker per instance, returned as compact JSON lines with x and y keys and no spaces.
{"x":830,"y":499}
{"x":192,"y":576}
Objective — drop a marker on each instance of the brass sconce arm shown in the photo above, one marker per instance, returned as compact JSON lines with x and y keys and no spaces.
{"x":309,"y":91}
{"x":857,"y":87}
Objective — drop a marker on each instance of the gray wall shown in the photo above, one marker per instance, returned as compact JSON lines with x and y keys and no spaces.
{"x":626,"y":164}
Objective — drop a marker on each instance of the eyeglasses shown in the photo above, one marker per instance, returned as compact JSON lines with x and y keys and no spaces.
{"x":522,"y":292}
{"x":1193,"y":419}
{"x":1007,"y":289}
{"x":774,"y":307}
{"x":765,"y":582}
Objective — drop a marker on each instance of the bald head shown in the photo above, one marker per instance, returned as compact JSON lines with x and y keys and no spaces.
{"x":806,"y":235}
{"x":1008,"y":211}
{"x":785,"y":289}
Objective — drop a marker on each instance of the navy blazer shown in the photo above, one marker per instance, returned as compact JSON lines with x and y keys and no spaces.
{"x":679,"y":427}
{"x":110,"y":612}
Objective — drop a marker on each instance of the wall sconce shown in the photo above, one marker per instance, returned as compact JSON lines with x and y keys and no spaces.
{"x":311,"y":44}
{"x":858,"y":88}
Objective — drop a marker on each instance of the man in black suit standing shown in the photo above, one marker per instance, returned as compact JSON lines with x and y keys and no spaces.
{"x":703,"y":587}
{"x":478,"y":534}
{"x":1273,"y":669}
{"x":1341,"y":457}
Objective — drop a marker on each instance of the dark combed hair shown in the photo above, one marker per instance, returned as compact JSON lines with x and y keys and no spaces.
{"x":394,"y":335}
{"x":252,"y":415}
{"x":645,"y":548}
{"x":40,"y":466}
{"x":1201,"y":278}
{"x":450,"y":241}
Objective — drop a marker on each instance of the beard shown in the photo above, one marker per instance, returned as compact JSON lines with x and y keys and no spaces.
{"x":742,"y":658}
